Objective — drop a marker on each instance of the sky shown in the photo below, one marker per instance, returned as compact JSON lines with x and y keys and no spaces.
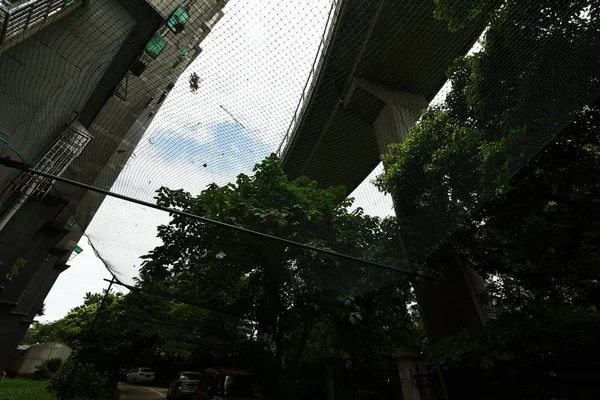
{"x":253,"y":68}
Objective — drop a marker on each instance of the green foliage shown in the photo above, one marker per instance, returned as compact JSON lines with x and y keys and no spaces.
{"x":465,"y":152}
{"x":305,"y":304}
{"x":438,"y":160}
{"x":24,"y":389}
{"x":113,"y":342}
{"x":13,"y":270}
{"x":87,"y":383}
{"x":459,"y":14}
{"x":474,"y":185}
{"x":554,"y":355}
{"x":41,"y":333}
{"x":47,"y":369}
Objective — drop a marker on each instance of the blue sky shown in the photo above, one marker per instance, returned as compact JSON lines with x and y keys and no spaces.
{"x":226,"y":150}
{"x":253,"y":67}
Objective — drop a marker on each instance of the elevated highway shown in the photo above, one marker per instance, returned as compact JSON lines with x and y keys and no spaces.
{"x":383,"y":63}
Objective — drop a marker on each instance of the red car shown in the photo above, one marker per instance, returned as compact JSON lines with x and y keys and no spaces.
{"x":228,"y":383}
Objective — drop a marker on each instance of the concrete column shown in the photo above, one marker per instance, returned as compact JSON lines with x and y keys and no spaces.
{"x":15,"y":322}
{"x":450,"y":305}
{"x":30,"y":237}
{"x":413,"y":375}
{"x":401,"y":111}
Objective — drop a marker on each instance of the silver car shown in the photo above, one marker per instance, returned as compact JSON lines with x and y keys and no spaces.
{"x":184,"y":385}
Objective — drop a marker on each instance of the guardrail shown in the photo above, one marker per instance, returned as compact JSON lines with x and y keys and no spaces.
{"x":316,"y":66}
{"x":18,"y":16}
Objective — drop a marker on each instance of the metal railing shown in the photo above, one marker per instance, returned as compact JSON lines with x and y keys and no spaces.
{"x":18,"y":16}
{"x":316,"y":67}
{"x":69,"y":145}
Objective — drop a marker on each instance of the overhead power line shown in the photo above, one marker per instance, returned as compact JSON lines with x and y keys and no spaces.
{"x":171,"y":297}
{"x":26,"y":168}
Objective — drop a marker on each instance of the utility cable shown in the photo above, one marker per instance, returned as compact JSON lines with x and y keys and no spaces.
{"x":26,"y":168}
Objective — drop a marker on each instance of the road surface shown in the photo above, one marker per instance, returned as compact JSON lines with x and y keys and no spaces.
{"x":141,"y":392}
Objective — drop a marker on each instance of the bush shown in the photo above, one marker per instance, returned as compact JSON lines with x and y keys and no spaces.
{"x":87,"y":383}
{"x":47,"y":369}
{"x":24,"y":389}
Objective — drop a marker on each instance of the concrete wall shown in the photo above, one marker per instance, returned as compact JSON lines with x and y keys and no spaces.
{"x":31,"y":237}
{"x":45,"y":81}
{"x":166,"y":7}
{"x":122,"y":121}
{"x":48,"y":78}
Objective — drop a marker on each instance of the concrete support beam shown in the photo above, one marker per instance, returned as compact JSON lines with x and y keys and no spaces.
{"x":337,"y":387}
{"x":413,"y":374}
{"x":402,"y":110}
{"x":450,"y":305}
{"x":15,"y":322}
{"x":29,"y":236}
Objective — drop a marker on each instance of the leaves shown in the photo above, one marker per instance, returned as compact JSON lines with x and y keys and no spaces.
{"x":290,"y":292}
{"x":113,"y":341}
{"x":488,"y":180}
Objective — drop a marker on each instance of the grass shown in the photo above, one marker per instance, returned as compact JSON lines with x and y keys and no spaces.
{"x":24,"y":389}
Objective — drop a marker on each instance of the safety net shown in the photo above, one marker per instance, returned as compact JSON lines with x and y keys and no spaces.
{"x":309,"y":186}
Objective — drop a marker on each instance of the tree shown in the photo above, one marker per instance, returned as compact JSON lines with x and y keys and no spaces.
{"x":537,"y":246}
{"x":114,"y":341}
{"x":39,"y":333}
{"x":474,"y":185}
{"x":286,"y":289}
{"x":86,"y":383}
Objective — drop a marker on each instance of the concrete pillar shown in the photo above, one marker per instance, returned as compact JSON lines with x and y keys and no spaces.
{"x":413,"y":375}
{"x":15,"y":321}
{"x":28,"y":236}
{"x":450,"y":305}
{"x":337,"y":387}
{"x":401,"y":111}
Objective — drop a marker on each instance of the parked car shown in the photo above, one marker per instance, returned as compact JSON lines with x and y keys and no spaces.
{"x":140,"y":375}
{"x":184,"y":385}
{"x":123,"y":373}
{"x":217,"y":383}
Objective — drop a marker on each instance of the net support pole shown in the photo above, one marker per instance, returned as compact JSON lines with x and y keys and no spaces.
{"x":24,"y":167}
{"x":91,"y":329}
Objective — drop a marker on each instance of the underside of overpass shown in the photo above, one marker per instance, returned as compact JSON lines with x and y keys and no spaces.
{"x":384,"y":62}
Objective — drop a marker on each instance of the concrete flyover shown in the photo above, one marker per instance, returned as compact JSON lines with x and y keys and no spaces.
{"x":384,"y":62}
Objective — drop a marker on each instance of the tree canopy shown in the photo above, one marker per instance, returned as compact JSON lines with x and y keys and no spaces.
{"x":301,"y":301}
{"x":502,"y":178}
{"x":113,"y":341}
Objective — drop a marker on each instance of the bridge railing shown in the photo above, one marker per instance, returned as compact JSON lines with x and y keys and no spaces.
{"x":17,"y":16}
{"x":316,"y":67}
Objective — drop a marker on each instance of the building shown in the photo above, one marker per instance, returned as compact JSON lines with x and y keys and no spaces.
{"x":27,"y":358}
{"x":80,"y":81}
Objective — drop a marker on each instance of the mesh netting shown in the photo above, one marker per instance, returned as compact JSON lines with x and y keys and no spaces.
{"x":189,"y":95}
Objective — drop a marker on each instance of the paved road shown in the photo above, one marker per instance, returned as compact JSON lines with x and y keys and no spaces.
{"x":141,"y":392}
